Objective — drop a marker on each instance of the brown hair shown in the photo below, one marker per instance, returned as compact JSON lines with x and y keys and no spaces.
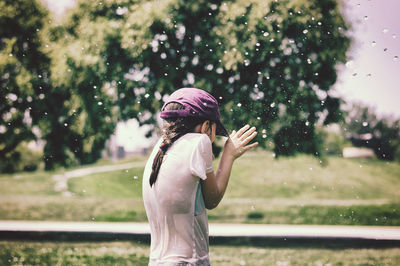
{"x":172,"y":130}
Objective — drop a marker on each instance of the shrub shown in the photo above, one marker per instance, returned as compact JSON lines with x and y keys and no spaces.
{"x":334,"y":143}
{"x":22,"y":158}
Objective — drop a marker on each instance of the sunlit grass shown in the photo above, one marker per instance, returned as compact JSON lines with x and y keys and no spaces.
{"x":131,"y":253}
{"x":294,"y":190}
{"x":116,"y":184}
{"x":258,"y":174}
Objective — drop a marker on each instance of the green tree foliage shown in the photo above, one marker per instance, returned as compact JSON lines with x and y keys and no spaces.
{"x":269,"y":63}
{"x":365,"y":129}
{"x":23,"y":74}
{"x":88,"y":67}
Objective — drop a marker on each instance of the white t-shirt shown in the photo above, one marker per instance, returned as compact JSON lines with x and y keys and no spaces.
{"x":175,"y":206}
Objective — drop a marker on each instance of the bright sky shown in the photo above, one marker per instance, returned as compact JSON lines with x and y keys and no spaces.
{"x":372,"y":74}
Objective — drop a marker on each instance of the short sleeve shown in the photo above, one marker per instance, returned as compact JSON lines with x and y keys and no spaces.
{"x":201,"y":158}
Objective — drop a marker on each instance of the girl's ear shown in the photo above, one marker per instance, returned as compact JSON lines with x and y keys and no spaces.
{"x":205,"y":127}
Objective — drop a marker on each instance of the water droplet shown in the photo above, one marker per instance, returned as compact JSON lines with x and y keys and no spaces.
{"x":395,"y":58}
{"x":394,"y":36}
{"x":385,"y":30}
{"x":146,"y":95}
{"x":258,"y":118}
{"x":65,"y":124}
{"x":99,"y":103}
{"x":264,"y":136}
{"x":385,"y":49}
{"x":272,"y":105}
{"x":349,"y":63}
{"x":305,"y":31}
{"x":239,"y":105}
{"x":365,"y":124}
{"x":266,"y":34}
{"x":135,"y":177}
{"x":84,"y":190}
{"x":373,"y":44}
{"x":365,"y":17}
{"x":94,"y":87}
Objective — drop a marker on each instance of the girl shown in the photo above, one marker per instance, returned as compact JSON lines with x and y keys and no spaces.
{"x":179,"y":181}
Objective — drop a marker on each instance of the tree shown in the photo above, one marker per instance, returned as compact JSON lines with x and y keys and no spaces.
{"x":23,"y":75}
{"x":269,"y":63}
{"x":88,"y":65}
{"x":364,"y":128}
{"x":38,"y":103}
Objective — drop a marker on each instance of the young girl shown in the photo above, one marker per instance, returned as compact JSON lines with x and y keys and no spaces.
{"x":179,"y":181}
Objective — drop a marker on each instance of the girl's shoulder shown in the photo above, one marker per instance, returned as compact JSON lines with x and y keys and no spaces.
{"x":197,"y":138}
{"x":193,"y":141}
{"x":199,"y":142}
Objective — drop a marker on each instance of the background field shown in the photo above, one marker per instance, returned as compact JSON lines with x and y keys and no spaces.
{"x":297,"y":190}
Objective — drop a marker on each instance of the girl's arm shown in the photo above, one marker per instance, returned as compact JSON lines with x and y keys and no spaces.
{"x":213,"y":188}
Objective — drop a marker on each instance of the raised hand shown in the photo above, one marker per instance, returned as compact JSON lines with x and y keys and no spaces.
{"x":236,"y":144}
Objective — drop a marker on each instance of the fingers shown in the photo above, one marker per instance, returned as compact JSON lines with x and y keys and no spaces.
{"x":248,"y":147}
{"x":242,"y":130}
{"x":248,"y":133}
{"x":249,"y":138}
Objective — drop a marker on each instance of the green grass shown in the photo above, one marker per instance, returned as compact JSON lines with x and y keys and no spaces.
{"x":120,"y":184}
{"x":131,"y":253}
{"x":294,"y":190}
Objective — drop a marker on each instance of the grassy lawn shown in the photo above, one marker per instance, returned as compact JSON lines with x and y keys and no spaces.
{"x":295,"y":190}
{"x":131,"y":253}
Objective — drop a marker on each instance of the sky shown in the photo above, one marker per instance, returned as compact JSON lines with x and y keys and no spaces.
{"x":370,"y":76}
{"x":372,"y":73}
